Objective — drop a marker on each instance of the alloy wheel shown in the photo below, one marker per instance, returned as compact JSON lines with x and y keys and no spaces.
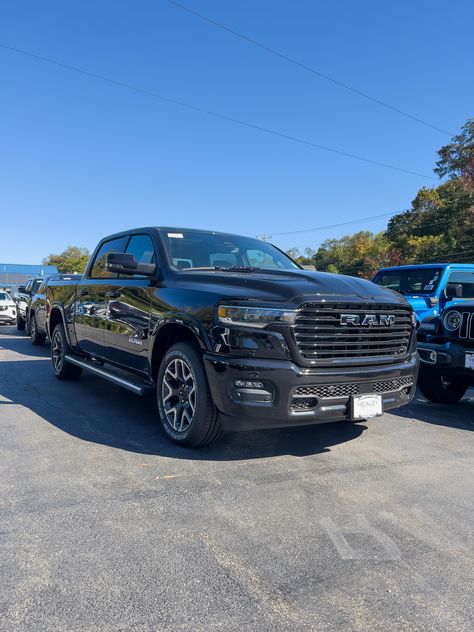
{"x":178,"y":392}
{"x":57,"y":351}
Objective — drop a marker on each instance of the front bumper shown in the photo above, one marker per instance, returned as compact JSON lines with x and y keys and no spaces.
{"x":273,"y":390}
{"x":449,"y":358}
{"x":7,"y":316}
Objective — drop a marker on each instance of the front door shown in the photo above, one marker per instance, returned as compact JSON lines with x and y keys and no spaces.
{"x":90,"y":305}
{"x":127,"y":315}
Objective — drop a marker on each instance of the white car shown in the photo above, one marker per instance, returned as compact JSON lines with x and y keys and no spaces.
{"x":7,"y":309}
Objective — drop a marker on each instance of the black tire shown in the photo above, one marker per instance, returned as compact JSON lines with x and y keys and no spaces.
{"x":37,"y":338}
{"x":189,"y":396}
{"x":59,"y":349}
{"x":20,"y":323}
{"x":438,"y":388}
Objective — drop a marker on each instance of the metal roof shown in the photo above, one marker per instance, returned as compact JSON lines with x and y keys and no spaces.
{"x":25,"y":268}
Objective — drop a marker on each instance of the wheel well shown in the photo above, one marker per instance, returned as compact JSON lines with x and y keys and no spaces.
{"x":54,"y":319}
{"x":167,"y":336}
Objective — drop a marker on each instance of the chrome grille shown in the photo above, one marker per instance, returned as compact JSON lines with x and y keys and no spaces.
{"x":321,"y":337}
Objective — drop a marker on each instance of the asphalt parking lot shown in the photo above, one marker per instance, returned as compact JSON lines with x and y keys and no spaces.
{"x":106,"y":526}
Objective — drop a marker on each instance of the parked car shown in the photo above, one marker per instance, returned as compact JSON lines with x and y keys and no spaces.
{"x":22,"y":298}
{"x":231,"y":333}
{"x":446,"y":348}
{"x":429,"y":287}
{"x":36,"y":312}
{"x":7,"y":309}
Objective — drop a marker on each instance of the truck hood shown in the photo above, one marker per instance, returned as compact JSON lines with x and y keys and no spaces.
{"x":291,"y":287}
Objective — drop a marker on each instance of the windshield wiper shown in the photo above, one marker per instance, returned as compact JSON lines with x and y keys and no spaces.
{"x":240,"y":269}
{"x":223,"y":269}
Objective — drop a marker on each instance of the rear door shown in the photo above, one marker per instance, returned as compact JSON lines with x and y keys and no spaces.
{"x":90,"y":306}
{"x":40,"y":307}
{"x":127,"y":314}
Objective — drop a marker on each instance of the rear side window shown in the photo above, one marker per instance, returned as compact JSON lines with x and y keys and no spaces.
{"x":98,"y":268}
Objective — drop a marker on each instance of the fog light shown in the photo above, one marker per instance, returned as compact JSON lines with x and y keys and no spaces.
{"x":248,"y":384}
{"x":432,"y":356}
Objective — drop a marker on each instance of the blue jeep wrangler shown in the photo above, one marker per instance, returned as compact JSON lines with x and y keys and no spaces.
{"x":429,"y":288}
{"x":446,"y":349}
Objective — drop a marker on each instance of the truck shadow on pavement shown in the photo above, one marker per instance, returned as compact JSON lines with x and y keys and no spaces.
{"x":95,"y":410}
{"x":460,"y":416}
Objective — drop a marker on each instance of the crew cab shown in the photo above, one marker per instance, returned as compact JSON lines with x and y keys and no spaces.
{"x":22,"y":298}
{"x":429,"y":287}
{"x":230,"y":333}
{"x":446,"y":348}
{"x":36,"y":311}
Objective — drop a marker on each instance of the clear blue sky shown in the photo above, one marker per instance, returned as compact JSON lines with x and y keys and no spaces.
{"x":80,"y":158}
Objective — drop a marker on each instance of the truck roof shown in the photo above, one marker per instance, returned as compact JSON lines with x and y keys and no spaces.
{"x":172,"y":229}
{"x":430,"y":265}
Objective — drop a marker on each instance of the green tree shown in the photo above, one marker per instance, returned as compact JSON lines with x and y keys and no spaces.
{"x":456,"y":160}
{"x":73,"y":259}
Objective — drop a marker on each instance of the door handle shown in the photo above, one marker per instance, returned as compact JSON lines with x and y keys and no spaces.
{"x":83,"y":292}
{"x":112,"y":294}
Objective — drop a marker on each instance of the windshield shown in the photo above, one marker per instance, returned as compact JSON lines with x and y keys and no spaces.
{"x":410,"y":280}
{"x":189,"y":249}
{"x":4,"y":296}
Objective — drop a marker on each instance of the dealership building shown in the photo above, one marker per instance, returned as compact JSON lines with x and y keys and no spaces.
{"x":12,"y":274}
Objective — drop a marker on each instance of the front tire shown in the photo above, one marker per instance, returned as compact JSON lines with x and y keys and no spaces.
{"x":60,"y":348}
{"x":37,"y":338}
{"x":438,"y":388}
{"x":185,"y":406}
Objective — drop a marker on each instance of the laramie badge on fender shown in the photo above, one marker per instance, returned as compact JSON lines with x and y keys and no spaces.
{"x":368,"y":320}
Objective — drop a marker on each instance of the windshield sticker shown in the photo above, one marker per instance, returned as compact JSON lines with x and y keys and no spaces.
{"x":429,"y":287}
{"x":175,"y":235}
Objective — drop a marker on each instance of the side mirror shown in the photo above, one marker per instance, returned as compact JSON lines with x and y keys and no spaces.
{"x":453,"y":290}
{"x":123,"y":263}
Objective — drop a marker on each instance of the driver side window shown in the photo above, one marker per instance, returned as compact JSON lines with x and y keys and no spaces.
{"x":465,"y":279}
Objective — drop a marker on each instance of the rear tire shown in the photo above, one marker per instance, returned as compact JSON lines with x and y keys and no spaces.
{"x":438,"y":388}
{"x":20,"y":323}
{"x":185,"y":406}
{"x":60,"y":348}
{"x":37,"y":338}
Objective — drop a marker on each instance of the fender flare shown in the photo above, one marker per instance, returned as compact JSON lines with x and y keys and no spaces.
{"x":184,"y":320}
{"x":58,"y":307}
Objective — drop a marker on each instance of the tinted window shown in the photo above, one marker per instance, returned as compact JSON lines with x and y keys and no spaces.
{"x":98,"y":269}
{"x":35,"y":285}
{"x":142,"y":247}
{"x":410,"y":280}
{"x":193,"y":249}
{"x":466,"y":280}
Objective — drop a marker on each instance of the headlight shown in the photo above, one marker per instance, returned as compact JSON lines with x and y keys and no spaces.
{"x":254,"y":316}
{"x":453,"y":320}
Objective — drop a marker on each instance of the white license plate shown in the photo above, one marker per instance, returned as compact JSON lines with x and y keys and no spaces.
{"x":469,"y":361}
{"x":367,"y":406}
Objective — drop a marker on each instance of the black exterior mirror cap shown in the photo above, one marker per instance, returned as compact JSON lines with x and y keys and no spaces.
{"x":123,"y":263}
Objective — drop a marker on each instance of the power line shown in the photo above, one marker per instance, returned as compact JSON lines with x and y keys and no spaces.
{"x":303,"y":66}
{"x":355,"y":221}
{"x":218,"y":115}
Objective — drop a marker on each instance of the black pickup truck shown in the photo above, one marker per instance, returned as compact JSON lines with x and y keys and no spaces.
{"x":231,"y":333}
